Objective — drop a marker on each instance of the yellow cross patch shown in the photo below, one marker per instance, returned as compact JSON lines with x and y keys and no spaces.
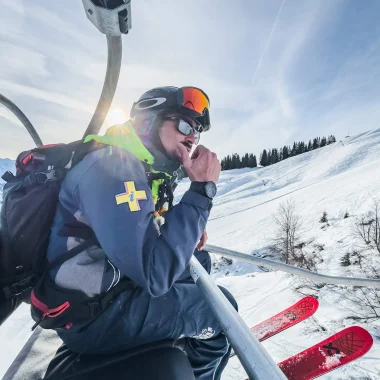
{"x":131,"y":196}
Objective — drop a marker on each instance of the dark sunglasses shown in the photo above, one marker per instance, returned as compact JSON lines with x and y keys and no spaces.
{"x":185,"y":127}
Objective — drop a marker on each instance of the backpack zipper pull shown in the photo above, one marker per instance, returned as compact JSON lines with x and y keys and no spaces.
{"x":38,"y":322}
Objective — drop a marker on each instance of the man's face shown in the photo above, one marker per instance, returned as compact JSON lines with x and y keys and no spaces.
{"x":172,"y":138}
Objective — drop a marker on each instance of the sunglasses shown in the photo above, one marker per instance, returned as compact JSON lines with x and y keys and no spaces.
{"x":185,"y":127}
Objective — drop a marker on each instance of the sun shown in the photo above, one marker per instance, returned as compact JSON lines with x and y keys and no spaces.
{"x":116,"y":116}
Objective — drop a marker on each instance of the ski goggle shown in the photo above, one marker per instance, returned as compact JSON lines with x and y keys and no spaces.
{"x":194,"y":99}
{"x":186,"y":127}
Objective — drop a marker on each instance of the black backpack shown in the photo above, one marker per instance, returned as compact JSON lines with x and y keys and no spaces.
{"x":30,"y":200}
{"x":29,"y":204}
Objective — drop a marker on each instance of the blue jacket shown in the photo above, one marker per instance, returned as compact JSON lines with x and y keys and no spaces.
{"x":108,"y":191}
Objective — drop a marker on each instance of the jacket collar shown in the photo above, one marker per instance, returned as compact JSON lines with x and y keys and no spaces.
{"x":125,"y":137}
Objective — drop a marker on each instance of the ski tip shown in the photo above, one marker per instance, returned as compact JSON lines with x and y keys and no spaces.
{"x":364,"y":335}
{"x":312,"y":300}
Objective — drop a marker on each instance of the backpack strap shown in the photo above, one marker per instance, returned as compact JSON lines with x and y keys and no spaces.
{"x":19,"y":288}
{"x":73,"y":252}
{"x":27,"y":283}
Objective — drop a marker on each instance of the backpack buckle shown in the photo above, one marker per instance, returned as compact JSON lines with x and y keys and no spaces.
{"x":8,"y":176}
{"x":94,"y":309}
{"x":19,"y":287}
{"x":43,"y":177}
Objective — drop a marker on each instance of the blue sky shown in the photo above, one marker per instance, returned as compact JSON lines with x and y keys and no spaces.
{"x":276,"y":71}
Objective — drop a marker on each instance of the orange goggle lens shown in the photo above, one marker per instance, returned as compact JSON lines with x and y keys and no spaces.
{"x":194,"y":99}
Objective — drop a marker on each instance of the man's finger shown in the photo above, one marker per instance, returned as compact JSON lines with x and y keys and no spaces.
{"x":198,"y":151}
{"x":183,"y":155}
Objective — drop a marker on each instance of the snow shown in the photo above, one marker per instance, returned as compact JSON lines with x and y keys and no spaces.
{"x":339,"y":178}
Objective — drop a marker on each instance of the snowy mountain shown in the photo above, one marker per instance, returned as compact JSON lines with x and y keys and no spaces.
{"x":341,"y":179}
{"x":5,"y":165}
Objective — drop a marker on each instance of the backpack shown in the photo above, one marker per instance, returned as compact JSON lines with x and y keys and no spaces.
{"x":29,"y":205}
{"x":30,"y":200}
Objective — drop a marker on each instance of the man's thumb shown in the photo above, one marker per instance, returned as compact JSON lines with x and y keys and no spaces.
{"x":184,"y":156}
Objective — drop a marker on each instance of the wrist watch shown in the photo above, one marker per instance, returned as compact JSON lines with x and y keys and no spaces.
{"x":207,"y":189}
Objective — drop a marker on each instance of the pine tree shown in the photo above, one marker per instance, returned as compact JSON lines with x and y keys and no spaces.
{"x":300,"y":147}
{"x":324,"y":217}
{"x":254,"y":162}
{"x":227,"y":163}
{"x":323,"y":141}
{"x":250,"y":161}
{"x":270,"y":157}
{"x":245,"y":161}
{"x":280,"y":154}
{"x":331,"y":139}
{"x":233,"y":161}
{"x":294,"y":149}
{"x":285,"y":152}
{"x":264,"y":158}
{"x":238,"y":162}
{"x":275,"y":157}
{"x":309,"y":146}
{"x":315,"y":143}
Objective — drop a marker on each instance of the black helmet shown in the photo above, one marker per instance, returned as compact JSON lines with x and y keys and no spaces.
{"x":190,"y":101}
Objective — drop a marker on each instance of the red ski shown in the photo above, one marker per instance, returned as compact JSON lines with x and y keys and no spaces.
{"x":333,"y":352}
{"x":289,"y":317}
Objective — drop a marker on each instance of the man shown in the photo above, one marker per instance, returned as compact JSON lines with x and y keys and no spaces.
{"x":118,"y":192}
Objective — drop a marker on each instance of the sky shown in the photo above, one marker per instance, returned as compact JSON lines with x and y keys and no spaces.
{"x":276,"y":71}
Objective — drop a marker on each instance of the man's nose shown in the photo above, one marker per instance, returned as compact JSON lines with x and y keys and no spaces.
{"x":191,"y":137}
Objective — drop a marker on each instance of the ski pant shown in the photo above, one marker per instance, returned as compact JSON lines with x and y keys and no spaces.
{"x":136,"y":318}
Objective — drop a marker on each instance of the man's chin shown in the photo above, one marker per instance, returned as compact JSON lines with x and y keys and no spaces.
{"x":177,"y":155}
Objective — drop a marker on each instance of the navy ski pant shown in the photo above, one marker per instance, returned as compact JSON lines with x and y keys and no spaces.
{"x":136,"y":318}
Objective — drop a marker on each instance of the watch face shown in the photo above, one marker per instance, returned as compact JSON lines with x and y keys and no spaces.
{"x":210,"y":189}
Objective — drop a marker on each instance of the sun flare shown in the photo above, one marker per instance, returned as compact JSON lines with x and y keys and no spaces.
{"x":116,"y":116}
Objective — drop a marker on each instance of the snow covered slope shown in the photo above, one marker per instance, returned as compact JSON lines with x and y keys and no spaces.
{"x":340,"y":178}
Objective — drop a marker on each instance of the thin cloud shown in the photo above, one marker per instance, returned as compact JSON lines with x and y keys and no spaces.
{"x":304,"y":83}
{"x":268,"y":41}
{"x":51,"y":97}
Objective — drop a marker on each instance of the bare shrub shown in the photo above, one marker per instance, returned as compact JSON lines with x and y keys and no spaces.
{"x":367,"y":228}
{"x":368,"y":300}
{"x":320,"y":247}
{"x":354,"y":257}
{"x":287,"y":241}
{"x":288,"y":230}
{"x":226,"y":260}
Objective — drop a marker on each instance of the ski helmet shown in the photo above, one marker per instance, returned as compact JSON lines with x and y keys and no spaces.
{"x":190,"y":101}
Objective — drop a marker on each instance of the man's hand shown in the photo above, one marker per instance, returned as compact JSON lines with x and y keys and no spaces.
{"x":202,"y":242}
{"x":202,"y":166}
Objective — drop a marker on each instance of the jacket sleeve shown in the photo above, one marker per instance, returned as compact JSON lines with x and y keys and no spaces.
{"x":114,"y":195}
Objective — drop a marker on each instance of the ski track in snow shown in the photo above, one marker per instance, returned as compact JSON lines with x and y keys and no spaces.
{"x":337,"y":179}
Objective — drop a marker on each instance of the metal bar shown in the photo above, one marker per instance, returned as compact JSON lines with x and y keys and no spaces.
{"x":293,"y":270}
{"x":24,"y":120}
{"x":114,"y":44}
{"x":256,"y":361}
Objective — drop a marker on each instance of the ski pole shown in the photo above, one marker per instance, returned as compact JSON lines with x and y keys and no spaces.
{"x":353,"y":281}
{"x":256,"y":361}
